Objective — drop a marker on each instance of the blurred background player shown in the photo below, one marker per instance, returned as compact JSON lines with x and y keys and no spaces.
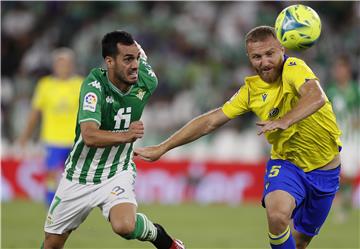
{"x":55,"y":104}
{"x":302,"y":175}
{"x":100,"y":171}
{"x":344,"y":93}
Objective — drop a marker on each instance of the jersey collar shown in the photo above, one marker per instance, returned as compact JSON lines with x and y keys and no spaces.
{"x":117,"y":90}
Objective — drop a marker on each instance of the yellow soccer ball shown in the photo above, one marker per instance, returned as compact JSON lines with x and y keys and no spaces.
{"x":298,"y":27}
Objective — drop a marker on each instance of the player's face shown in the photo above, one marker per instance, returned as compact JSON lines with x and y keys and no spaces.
{"x":266,"y":57}
{"x":125,"y":65}
{"x":63,"y":66}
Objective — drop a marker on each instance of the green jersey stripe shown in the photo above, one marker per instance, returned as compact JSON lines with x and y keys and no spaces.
{"x":133,"y":166}
{"x":86,"y":166}
{"x":99,"y":170}
{"x":74,"y":155}
{"x":94,"y":164}
{"x":118,"y":159}
{"x":109,"y":161}
{"x":80,"y":161}
{"x":128,"y":156}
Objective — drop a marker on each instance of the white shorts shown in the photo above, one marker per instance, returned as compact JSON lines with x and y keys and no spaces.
{"x":73,"y":201}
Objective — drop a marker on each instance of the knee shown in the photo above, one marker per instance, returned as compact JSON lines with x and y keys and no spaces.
{"x":123,"y":227}
{"x":278,"y":221}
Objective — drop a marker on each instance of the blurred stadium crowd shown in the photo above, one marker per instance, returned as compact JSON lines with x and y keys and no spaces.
{"x":196,"y":50}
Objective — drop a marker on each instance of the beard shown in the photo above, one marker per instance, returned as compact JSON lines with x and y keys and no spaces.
{"x":271,"y":76}
{"x":121,"y":78}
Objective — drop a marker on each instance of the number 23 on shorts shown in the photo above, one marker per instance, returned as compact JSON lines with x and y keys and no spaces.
{"x":275,"y":170}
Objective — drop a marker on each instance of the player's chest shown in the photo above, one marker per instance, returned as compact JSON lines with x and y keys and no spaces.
{"x":62,"y":99}
{"x":129,"y":106}
{"x":271,"y":104}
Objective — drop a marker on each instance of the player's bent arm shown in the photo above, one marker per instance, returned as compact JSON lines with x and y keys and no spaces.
{"x":94,"y":137}
{"x":312,"y":98}
{"x":196,"y":128}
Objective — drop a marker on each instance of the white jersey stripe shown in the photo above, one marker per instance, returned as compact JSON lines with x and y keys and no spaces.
{"x":109,"y":161}
{"x":69,"y":163}
{"x":123,"y":156}
{"x":94,"y":164}
{"x":80,"y":162}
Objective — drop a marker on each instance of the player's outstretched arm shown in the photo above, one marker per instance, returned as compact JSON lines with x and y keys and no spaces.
{"x":94,"y":137}
{"x":312,"y":98}
{"x":198,"y":127}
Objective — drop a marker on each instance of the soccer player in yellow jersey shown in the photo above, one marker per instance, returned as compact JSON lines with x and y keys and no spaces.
{"x":55,"y":101}
{"x":296,"y":117}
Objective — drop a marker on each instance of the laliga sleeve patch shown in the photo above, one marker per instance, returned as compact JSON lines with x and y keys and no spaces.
{"x":89,"y":103}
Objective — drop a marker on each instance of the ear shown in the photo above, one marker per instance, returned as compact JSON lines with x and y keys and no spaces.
{"x":109,"y":61}
{"x":282,"y":48}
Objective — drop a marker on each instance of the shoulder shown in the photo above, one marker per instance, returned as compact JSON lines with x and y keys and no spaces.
{"x":97,"y":73}
{"x":77,"y":78}
{"x":147,"y":76}
{"x":293,"y":64}
{"x":45,"y":80}
{"x":95,"y":82}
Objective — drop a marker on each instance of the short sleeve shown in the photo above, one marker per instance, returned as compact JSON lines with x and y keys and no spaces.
{"x":296,"y":73}
{"x":147,"y":75}
{"x":238,"y":104}
{"x":90,"y":100}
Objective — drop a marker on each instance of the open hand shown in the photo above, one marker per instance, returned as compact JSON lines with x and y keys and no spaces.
{"x":271,"y":125}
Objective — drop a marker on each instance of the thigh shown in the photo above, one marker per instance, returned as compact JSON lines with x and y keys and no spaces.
{"x":120,"y":189}
{"x":322,"y":187}
{"x":279,"y":201}
{"x":285,"y":179}
{"x":69,"y":208}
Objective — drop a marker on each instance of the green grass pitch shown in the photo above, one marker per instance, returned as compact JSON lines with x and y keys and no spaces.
{"x":199,"y":226}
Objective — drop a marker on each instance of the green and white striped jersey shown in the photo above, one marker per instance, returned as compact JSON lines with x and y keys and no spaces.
{"x":102,"y":102}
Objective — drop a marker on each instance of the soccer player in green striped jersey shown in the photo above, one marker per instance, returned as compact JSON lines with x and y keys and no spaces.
{"x":99,"y":171}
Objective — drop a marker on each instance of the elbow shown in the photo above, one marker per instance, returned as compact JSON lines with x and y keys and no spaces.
{"x":89,"y":141}
{"x":321,"y":101}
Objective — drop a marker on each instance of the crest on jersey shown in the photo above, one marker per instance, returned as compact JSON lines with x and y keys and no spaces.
{"x":90,"y":101}
{"x":109,"y":99}
{"x":274,"y":112}
{"x":264,"y":96}
{"x":140,"y":94}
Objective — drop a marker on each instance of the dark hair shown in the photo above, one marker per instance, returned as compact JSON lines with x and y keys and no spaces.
{"x":259,"y":33}
{"x":110,"y":41}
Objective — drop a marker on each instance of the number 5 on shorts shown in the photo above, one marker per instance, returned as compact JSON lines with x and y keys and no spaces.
{"x":55,"y":203}
{"x":275,"y":170}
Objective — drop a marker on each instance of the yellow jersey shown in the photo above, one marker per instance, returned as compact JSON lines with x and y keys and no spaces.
{"x":310,"y":143}
{"x":58,"y":102}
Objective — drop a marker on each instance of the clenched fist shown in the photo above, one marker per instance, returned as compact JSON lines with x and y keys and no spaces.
{"x":135,"y":131}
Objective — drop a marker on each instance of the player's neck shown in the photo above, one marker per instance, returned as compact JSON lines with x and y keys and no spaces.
{"x":122,"y":86}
